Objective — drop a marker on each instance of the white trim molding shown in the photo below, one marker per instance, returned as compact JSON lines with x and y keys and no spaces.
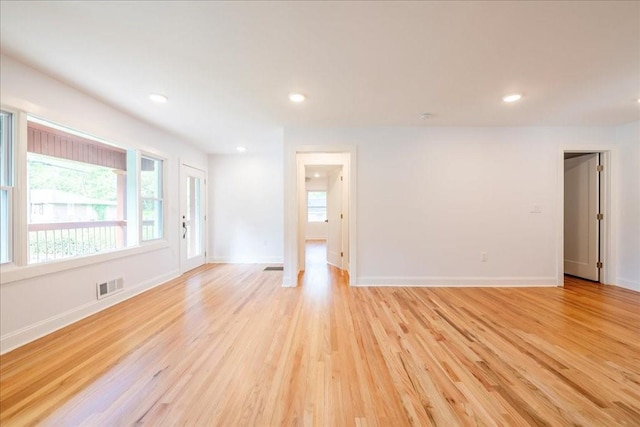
{"x":232,"y":260}
{"x":434,"y":282}
{"x":634,"y":285}
{"x":293,"y":179}
{"x":13,"y":273}
{"x":609,"y":205}
{"x":37,"y":330}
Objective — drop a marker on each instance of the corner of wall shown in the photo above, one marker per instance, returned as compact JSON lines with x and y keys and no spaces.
{"x":32,"y":332}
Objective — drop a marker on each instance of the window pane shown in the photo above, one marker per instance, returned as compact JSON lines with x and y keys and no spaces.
{"x":6,"y":182}
{"x":5,"y":224}
{"x":6,"y":149}
{"x":65,"y":191}
{"x":194,"y":232}
{"x":151,"y":219}
{"x":316,"y":206}
{"x":76,"y":195}
{"x":151,"y":194}
{"x":151,"y":178}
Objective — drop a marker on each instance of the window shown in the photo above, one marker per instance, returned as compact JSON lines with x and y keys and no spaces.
{"x":84,"y":196}
{"x":316,"y":206}
{"x":151,"y":198}
{"x":76,"y":194}
{"x":6,"y":186}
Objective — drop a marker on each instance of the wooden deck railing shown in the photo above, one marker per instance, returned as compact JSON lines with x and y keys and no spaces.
{"x":59,"y":240}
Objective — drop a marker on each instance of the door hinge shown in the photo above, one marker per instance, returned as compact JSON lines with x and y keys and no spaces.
{"x":598,"y":264}
{"x":340,"y":178}
{"x":600,"y":217}
{"x":341,"y":216}
{"x":600,"y":168}
{"x":341,"y":254}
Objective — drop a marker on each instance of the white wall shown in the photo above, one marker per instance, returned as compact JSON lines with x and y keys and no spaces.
{"x":430,"y":200}
{"x":628,"y":140}
{"x":246,"y":208}
{"x":34,"y":306}
{"x":316,"y":230}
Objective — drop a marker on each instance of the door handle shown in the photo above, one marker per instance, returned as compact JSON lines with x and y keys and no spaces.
{"x":184,"y":227}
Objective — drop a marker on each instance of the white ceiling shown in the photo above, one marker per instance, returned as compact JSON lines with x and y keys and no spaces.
{"x":323,"y":171}
{"x":228,"y":67}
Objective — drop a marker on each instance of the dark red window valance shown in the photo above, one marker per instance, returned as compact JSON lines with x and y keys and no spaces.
{"x":57,"y":143}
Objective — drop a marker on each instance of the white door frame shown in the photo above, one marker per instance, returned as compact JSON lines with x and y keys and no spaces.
{"x":607,"y":231}
{"x":293,"y":231}
{"x":181,"y":195}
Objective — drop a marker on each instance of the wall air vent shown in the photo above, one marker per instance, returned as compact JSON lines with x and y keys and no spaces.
{"x":111,"y":287}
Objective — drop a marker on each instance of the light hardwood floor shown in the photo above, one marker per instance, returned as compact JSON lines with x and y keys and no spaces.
{"x":226,"y":345}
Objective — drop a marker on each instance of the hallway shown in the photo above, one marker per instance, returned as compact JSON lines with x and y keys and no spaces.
{"x":318,"y":275}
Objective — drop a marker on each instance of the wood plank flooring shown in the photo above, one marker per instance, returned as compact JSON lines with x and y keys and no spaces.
{"x":226,"y":345}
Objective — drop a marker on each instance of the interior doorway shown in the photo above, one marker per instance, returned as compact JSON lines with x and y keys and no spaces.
{"x":325,"y":213}
{"x":323,"y":199}
{"x":583,"y":215}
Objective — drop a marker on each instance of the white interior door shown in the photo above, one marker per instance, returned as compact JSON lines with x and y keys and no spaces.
{"x":334,"y":217}
{"x":192,"y":218}
{"x":581,"y":224}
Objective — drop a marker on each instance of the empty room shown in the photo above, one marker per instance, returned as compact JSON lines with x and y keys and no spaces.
{"x":230,"y":213}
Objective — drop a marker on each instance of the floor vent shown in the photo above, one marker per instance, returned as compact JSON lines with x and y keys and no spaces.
{"x":111,"y":287}
{"x":274,"y":269}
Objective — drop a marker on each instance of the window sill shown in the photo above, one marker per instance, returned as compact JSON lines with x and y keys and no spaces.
{"x":13,"y":273}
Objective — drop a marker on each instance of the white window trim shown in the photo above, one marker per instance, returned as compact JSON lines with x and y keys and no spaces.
{"x":18,"y":268}
{"x":13,"y":273}
{"x":9,"y":219}
{"x":163,"y":189}
{"x":18,"y":223}
{"x":11,"y":245}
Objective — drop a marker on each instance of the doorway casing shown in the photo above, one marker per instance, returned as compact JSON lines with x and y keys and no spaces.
{"x":607,"y":232}
{"x":293,"y":182}
{"x":185,"y":172}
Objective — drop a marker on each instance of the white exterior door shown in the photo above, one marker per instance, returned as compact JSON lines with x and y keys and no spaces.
{"x":334,"y":217}
{"x":581,"y":224}
{"x":192,"y":218}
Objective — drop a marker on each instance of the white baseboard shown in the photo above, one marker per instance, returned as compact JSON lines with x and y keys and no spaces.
{"x":258,"y":260}
{"x":456,"y":281}
{"x":634,"y":285}
{"x":286,"y":283}
{"x":37,"y":330}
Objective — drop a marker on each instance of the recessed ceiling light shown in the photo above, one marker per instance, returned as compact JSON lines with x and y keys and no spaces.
{"x":425,"y":116}
{"x":156,"y":97}
{"x":512,"y":98}
{"x":241,"y":149}
{"x":297,"y":97}
{"x":316,"y":175}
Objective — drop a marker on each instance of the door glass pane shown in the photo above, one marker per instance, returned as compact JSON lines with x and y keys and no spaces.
{"x":194,"y":218}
